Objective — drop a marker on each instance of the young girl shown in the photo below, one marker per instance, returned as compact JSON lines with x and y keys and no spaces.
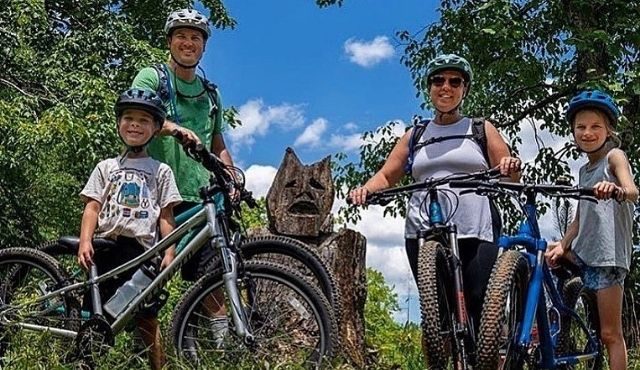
{"x":600,"y":234}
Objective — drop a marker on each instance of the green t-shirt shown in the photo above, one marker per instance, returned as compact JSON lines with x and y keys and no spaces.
{"x":192,"y":113}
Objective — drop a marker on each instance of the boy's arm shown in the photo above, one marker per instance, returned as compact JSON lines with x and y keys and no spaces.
{"x":167,"y":224}
{"x":87,"y":229}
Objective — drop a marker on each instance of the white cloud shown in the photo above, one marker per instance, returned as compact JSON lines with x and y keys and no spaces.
{"x":353,"y":142}
{"x":368,"y":54}
{"x":257,"y":118}
{"x":259,"y":179}
{"x":312,"y":134}
{"x":350,"y":126}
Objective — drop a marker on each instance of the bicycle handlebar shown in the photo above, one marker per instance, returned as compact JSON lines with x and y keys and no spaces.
{"x":383,"y":197}
{"x":215,"y":165}
{"x":547,"y":189}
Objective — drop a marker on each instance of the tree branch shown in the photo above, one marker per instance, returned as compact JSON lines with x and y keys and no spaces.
{"x":549,"y":99}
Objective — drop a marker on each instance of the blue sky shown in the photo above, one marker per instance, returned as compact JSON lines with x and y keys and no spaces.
{"x":290,"y":56}
{"x":315,"y":79}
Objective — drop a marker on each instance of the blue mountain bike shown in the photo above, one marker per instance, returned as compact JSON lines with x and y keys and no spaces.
{"x":529,"y":318}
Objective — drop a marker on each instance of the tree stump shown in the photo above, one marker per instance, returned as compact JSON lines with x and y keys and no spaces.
{"x":299,"y":206}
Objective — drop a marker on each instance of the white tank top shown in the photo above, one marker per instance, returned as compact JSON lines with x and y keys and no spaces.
{"x":473,"y":215}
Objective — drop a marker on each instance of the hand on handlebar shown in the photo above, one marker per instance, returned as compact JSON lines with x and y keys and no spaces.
{"x":358,"y":196}
{"x":608,"y":190}
{"x":509,"y":165}
{"x":186,"y":136}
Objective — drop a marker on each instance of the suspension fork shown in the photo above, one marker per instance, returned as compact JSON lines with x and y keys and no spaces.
{"x":229,"y":275}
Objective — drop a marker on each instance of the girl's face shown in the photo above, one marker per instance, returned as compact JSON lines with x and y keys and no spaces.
{"x":590,"y":129}
{"x":447,"y":90}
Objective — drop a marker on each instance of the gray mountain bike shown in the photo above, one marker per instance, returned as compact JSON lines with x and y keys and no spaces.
{"x":273,"y":316}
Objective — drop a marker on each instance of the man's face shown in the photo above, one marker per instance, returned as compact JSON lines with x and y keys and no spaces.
{"x":186,"y":45}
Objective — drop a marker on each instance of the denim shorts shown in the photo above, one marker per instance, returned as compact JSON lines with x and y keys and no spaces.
{"x":601,"y":277}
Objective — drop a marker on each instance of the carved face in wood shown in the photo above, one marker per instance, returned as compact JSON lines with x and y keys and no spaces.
{"x":300,"y":197}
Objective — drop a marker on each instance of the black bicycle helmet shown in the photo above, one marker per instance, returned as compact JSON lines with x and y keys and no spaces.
{"x":142,"y":99}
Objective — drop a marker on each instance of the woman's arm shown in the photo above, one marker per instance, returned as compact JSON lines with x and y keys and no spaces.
{"x":390,"y":173}
{"x":499,"y":153}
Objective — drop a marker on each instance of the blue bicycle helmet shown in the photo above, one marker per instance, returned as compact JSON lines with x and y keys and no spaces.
{"x":593,"y":99}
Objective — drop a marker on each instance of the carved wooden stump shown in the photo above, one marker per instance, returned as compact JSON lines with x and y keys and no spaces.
{"x":299,"y":206}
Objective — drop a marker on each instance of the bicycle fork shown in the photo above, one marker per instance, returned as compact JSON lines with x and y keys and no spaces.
{"x":230,"y":277}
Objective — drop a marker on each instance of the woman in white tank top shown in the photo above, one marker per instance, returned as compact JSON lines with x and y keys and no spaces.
{"x":448,"y":80}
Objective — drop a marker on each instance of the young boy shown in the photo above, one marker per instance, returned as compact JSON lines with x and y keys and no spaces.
{"x":128,"y":199}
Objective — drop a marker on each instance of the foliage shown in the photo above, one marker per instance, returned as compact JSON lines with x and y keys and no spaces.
{"x":529,"y":57}
{"x":393,"y":345}
{"x":63,"y":64}
{"x":255,"y":218}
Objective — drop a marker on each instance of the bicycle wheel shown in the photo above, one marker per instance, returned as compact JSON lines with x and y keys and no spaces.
{"x":25,"y":275}
{"x":572,"y":338}
{"x":296,"y":255}
{"x":291,"y":321}
{"x":502,"y":314}
{"x":436,"y":305}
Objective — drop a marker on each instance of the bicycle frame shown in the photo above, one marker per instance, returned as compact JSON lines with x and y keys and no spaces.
{"x":540,"y":284}
{"x":212,"y":230}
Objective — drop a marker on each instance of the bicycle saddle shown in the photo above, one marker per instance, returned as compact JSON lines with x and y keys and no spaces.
{"x":70,"y":244}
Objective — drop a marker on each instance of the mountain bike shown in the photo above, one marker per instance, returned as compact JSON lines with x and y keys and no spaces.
{"x":280,"y":249}
{"x":273,"y":315}
{"x":529,"y":319}
{"x":447,"y":333}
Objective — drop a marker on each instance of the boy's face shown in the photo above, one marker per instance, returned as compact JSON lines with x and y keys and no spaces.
{"x":136,"y":127}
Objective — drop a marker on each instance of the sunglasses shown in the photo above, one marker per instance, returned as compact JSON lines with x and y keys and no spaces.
{"x":439,"y":81}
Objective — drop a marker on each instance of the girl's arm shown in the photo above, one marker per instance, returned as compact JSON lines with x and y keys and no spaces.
{"x":167,"y":224}
{"x":620,"y":168}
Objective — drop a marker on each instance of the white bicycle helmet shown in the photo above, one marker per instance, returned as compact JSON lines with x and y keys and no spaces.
{"x":188,"y":18}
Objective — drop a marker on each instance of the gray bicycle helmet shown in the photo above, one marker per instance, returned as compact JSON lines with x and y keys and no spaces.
{"x":188,"y":18}
{"x":445,"y":62}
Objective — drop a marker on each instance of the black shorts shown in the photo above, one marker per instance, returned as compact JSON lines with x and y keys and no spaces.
{"x":108,"y":259}
{"x":196,"y":265}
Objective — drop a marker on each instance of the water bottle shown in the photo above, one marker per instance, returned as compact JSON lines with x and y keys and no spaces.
{"x":127,"y":292}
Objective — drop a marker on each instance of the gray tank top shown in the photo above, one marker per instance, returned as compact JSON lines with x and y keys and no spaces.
{"x":473,"y":215}
{"x":605,"y":228}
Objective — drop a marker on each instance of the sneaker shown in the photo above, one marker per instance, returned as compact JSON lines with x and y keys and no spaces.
{"x":220,"y":329}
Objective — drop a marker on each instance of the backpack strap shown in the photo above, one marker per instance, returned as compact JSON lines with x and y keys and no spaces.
{"x":212,"y":92}
{"x":164,"y":89}
{"x":163,"y":82}
{"x":480,"y":137}
{"x":419,"y":125}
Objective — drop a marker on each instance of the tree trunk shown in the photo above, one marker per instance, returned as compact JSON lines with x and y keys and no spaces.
{"x":345,"y":253}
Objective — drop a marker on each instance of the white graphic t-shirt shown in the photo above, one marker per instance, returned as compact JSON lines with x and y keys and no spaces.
{"x":131,"y":194}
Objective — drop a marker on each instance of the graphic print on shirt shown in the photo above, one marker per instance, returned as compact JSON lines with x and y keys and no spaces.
{"x":128,"y":194}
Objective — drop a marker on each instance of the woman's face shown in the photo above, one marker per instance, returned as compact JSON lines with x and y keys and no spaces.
{"x":447,"y":90}
{"x":591,"y":129}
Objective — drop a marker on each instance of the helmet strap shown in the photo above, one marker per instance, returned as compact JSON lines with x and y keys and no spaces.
{"x":185,"y":66}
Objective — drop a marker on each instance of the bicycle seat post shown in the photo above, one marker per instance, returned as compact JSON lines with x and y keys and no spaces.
{"x":95,"y":292}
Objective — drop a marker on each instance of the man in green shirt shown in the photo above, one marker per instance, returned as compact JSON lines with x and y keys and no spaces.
{"x":194,"y":109}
